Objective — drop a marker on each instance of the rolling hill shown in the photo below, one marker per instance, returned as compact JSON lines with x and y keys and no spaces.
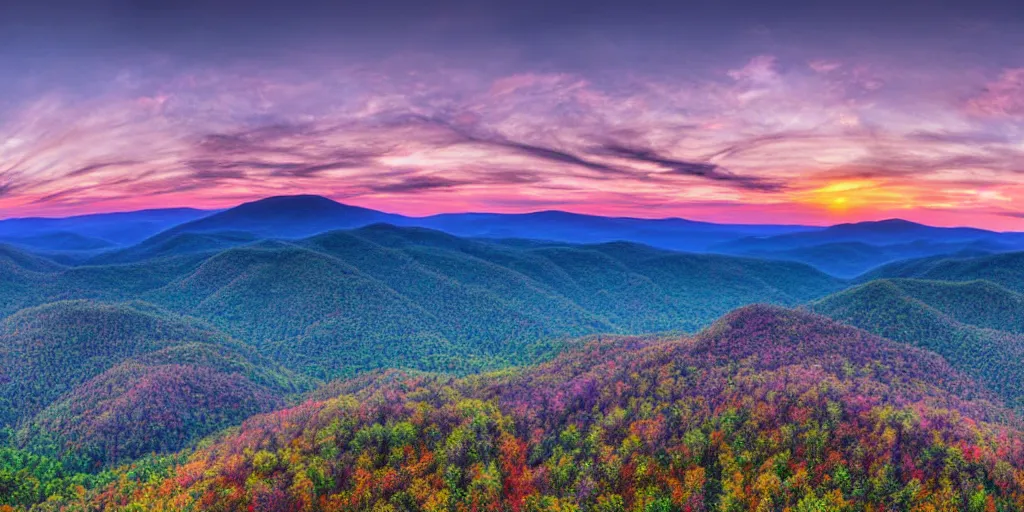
{"x":93,"y":384}
{"x":330,"y":304}
{"x":671,"y":233}
{"x":1006,"y":270}
{"x":174,"y":245}
{"x":848,"y":250}
{"x":13,"y":258}
{"x":59,"y":241}
{"x":766,"y":410}
{"x":135,"y":409}
{"x":326,"y":305}
{"x":975,"y":325}
{"x":51,"y":349}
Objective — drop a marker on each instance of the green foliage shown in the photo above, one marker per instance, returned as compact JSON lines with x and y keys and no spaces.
{"x":381,"y":296}
{"x":958,"y":321}
{"x":1006,"y":269}
{"x":94,"y":384}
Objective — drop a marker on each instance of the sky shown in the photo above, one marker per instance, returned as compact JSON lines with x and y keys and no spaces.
{"x":730,"y":111}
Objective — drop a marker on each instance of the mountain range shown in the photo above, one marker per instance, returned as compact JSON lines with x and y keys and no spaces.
{"x":295,"y":353}
{"x":844,"y":250}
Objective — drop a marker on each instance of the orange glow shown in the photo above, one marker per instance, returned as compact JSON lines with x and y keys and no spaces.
{"x":850,"y":195}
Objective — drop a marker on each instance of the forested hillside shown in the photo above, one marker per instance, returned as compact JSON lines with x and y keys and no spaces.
{"x":1006,"y":269}
{"x":975,"y":325}
{"x":348,"y":301}
{"x":95,"y":384}
{"x":766,"y":410}
{"x":113,"y":371}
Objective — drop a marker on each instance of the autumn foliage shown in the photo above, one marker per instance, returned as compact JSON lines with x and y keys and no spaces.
{"x":767,"y":410}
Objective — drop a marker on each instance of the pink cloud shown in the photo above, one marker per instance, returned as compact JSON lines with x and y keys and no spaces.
{"x":1003,"y":97}
{"x":760,"y":70}
{"x":824,"y":65}
{"x":751,"y":145}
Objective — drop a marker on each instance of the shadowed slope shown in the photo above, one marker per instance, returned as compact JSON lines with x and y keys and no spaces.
{"x":1006,"y":270}
{"x":48,"y":350}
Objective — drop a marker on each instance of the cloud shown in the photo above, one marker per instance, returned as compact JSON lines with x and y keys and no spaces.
{"x":1003,"y":97}
{"x":824,"y":65}
{"x":959,"y":137}
{"x":417,"y":183}
{"x":555,"y":155}
{"x":423,"y":134}
{"x":704,"y":170}
{"x":759,"y":70}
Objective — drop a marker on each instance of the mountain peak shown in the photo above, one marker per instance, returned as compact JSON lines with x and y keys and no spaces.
{"x":295,"y":216}
{"x":884,"y":223}
{"x":301,"y":201}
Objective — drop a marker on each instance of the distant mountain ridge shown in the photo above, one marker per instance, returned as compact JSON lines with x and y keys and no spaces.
{"x":306,"y":215}
{"x":93,"y":231}
{"x":844,"y":250}
{"x":286,"y":217}
{"x":848,"y":250}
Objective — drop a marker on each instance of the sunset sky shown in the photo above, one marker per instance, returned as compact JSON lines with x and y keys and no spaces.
{"x":738,"y":111}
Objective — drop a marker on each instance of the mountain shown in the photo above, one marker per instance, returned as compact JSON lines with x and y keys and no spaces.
{"x":767,"y":410}
{"x":48,"y":350}
{"x":95,"y":384}
{"x":59,"y":241}
{"x":847,"y":250}
{"x":1005,"y":269}
{"x":673,"y":233}
{"x":851,"y":259}
{"x":977,"y":326}
{"x":885,"y":232}
{"x":384,"y":295}
{"x":301,"y":216}
{"x":94,"y":231}
{"x":138,"y":407}
{"x":347,"y":301}
{"x":285,"y":217}
{"x":836,"y":249}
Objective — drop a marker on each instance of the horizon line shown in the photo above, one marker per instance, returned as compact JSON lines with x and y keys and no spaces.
{"x":214,"y":211}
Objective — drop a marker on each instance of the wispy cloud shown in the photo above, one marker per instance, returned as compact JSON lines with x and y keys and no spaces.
{"x":704,"y":170}
{"x":789,"y":138}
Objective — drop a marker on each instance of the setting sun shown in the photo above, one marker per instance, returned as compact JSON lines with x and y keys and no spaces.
{"x":844,"y":196}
